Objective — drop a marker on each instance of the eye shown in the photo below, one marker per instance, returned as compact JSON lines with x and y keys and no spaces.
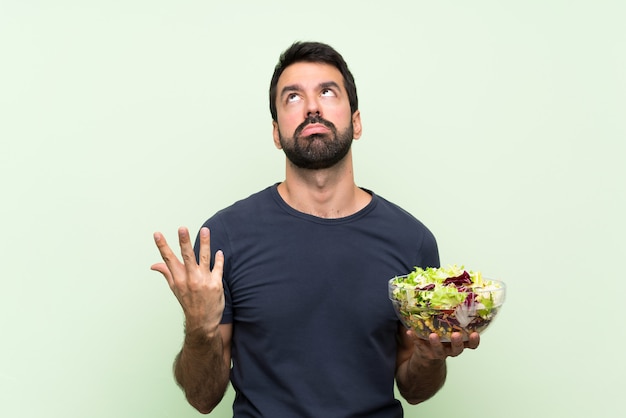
{"x":292,"y":98}
{"x":328,"y":93}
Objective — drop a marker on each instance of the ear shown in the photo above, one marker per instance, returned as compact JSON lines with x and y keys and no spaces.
{"x":276,"y":135}
{"x":356,"y":124}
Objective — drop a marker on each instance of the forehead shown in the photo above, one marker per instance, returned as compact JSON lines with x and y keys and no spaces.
{"x":309,"y":74}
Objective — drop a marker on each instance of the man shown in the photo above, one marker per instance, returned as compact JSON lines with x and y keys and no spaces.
{"x":296,"y":298}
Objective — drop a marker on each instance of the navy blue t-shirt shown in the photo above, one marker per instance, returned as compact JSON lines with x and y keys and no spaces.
{"x":314,"y":333}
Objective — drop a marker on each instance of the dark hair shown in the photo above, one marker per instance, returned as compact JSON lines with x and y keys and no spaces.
{"x":318,"y":53}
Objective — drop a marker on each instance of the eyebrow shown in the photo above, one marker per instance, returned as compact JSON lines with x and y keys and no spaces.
{"x":297,"y":87}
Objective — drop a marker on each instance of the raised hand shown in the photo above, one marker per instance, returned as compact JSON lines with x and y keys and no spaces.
{"x":199,"y":289}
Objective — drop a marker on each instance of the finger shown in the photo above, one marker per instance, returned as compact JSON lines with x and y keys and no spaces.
{"x":412,"y":335}
{"x":436,"y":346}
{"x":417,"y":340}
{"x":162,"y":268}
{"x":186,"y":250}
{"x":218,"y":267}
{"x":166,"y":252}
{"x":474,"y":341}
{"x":456,"y":344}
{"x":205,"y":249}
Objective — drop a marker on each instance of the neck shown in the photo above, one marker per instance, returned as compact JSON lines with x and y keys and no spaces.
{"x":327,"y":193}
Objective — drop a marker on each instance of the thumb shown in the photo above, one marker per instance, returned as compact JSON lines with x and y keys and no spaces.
{"x":162,"y":268}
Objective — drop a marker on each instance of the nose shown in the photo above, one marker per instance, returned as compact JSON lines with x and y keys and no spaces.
{"x":313,"y":108}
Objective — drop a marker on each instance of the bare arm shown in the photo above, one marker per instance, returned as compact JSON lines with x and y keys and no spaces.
{"x":203,"y":364}
{"x":421,"y":365}
{"x":202,"y":367}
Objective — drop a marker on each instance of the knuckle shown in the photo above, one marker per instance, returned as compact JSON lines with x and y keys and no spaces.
{"x":188,"y":258}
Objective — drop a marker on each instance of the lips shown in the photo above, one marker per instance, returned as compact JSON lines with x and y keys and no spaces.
{"x":314,"y":128}
{"x":314,"y":125}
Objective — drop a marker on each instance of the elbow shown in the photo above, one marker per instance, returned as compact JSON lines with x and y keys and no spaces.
{"x":204,"y":401}
{"x":414,"y":400}
{"x":204,"y":411}
{"x":202,"y":406}
{"x":418,"y":393}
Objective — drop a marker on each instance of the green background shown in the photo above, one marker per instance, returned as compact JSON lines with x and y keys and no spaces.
{"x":499,"y":124}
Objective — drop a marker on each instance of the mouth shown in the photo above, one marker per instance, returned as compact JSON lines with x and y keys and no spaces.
{"x":314,"y":129}
{"x":314,"y":126}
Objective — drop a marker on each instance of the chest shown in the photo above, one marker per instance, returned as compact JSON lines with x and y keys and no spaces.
{"x":331,"y":280}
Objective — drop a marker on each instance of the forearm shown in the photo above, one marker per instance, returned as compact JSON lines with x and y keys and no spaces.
{"x":201,"y":371}
{"x":418,"y":380}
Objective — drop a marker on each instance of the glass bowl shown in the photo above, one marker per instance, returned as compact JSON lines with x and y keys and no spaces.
{"x":446,"y":309}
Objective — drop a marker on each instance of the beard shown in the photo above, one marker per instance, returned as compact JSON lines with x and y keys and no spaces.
{"x":317,"y":151}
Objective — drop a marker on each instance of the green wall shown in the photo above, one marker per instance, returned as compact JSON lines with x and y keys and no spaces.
{"x":499,"y":124}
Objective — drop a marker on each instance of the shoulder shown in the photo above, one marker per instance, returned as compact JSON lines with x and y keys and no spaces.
{"x":241,"y":220}
{"x":259,"y":211}
{"x":248,"y":205}
{"x":404,"y":230}
{"x":394,"y":212}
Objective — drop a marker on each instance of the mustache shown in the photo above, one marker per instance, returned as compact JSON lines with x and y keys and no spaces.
{"x":313,"y":120}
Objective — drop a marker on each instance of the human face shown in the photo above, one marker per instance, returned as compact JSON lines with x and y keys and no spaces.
{"x":314,"y":125}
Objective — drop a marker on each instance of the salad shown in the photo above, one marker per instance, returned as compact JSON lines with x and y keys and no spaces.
{"x":446,"y":300}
